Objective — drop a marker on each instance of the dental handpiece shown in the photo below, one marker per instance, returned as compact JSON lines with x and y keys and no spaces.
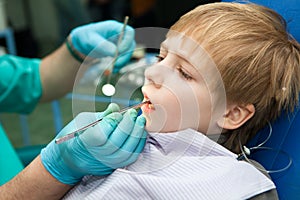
{"x":79,"y":131}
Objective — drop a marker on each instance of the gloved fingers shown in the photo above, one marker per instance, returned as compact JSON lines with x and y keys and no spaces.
{"x":120,"y":134}
{"x":107,"y":48}
{"x":95,"y":45}
{"x":134,"y":156}
{"x":95,"y":167}
{"x":133,"y":144}
{"x":101,"y":39}
{"x":70,"y":161}
{"x":135,"y":136}
{"x":110,"y":31}
{"x":121,"y":61}
{"x":81,"y":120}
{"x":124,"y":57}
{"x":124,"y":129}
{"x":101,"y":47}
{"x":108,"y":28}
{"x":125,"y":51}
{"x":129,"y":158}
{"x":112,"y":107}
{"x":127,"y":40}
{"x":85,"y":118}
{"x":98,"y":135}
{"x":142,"y":143}
{"x":102,"y":172}
{"x":123,"y":158}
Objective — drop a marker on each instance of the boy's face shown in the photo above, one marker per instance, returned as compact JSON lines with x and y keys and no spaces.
{"x":181,"y":96}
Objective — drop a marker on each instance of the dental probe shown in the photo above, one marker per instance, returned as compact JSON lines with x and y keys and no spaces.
{"x":79,"y":131}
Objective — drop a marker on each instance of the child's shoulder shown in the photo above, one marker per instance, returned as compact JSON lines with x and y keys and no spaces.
{"x":271,"y":194}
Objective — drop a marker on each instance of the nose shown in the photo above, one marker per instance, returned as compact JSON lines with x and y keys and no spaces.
{"x":154,"y":75}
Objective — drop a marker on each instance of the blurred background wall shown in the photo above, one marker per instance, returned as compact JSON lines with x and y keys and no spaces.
{"x":40,"y":26}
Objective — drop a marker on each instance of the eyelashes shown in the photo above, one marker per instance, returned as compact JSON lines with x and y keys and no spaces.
{"x":178,"y":68}
{"x":184,"y":74}
{"x":159,"y":58}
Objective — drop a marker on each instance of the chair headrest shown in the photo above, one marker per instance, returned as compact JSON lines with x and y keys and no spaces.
{"x":284,"y":142}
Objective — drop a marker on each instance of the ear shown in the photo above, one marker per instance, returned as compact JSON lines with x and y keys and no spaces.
{"x":236,"y":116}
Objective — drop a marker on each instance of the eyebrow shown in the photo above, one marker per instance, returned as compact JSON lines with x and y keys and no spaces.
{"x":193,"y":69}
{"x":164,"y":47}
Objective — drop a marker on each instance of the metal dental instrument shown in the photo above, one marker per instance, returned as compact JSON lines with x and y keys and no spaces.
{"x":109,"y":89}
{"x":79,"y":131}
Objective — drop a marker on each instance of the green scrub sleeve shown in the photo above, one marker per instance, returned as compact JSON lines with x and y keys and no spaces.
{"x":10,"y":163}
{"x":20,"y":84}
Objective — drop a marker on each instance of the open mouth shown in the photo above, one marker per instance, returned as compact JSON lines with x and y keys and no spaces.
{"x":148,"y":107}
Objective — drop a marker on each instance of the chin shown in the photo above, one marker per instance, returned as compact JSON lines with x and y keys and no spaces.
{"x":157,"y":128}
{"x":159,"y":125}
{"x":153,"y":128}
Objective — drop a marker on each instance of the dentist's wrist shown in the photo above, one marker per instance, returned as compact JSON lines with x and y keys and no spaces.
{"x":75,"y":54}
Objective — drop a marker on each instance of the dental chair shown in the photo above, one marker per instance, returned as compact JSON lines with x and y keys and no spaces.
{"x":283,"y":145}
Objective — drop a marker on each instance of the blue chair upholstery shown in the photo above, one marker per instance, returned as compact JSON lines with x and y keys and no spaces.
{"x":289,"y":10}
{"x":286,"y":130}
{"x":284,"y":145}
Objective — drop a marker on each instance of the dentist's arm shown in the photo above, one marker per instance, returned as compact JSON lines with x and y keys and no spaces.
{"x":58,"y":73}
{"x":34,"y":182}
{"x":114,"y":142}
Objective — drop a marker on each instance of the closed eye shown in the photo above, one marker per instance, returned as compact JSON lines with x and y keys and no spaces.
{"x":179,"y":69}
{"x":159,"y":58}
{"x":184,"y":74}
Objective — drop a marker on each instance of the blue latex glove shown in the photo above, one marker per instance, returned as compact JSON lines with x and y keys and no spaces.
{"x":114,"y":142}
{"x":102,"y":39}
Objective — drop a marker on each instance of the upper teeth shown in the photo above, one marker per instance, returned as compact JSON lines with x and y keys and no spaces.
{"x":151,"y":106}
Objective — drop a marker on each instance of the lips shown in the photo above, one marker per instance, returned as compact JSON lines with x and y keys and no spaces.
{"x":149,"y":107}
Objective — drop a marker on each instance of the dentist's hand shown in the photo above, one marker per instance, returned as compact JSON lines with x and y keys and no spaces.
{"x":114,"y":142}
{"x":101,"y":39}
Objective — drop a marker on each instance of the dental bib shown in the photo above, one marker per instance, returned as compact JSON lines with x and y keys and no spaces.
{"x":180,"y":165}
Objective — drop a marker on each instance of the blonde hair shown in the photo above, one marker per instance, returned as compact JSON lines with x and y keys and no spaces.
{"x":258,"y":60}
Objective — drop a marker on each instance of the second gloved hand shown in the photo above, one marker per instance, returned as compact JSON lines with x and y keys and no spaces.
{"x":114,"y":142}
{"x":100,"y":40}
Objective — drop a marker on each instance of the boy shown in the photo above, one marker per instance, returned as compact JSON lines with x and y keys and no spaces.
{"x":224,"y":71}
{"x":249,"y":51}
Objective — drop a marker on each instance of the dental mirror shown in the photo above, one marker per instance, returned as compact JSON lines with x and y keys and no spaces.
{"x":108,"y":89}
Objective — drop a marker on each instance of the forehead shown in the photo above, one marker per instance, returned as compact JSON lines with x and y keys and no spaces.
{"x":182,"y":45}
{"x":189,"y":50}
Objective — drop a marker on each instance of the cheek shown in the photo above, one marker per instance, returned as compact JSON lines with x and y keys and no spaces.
{"x":167,"y":114}
{"x":205,"y":106}
{"x":179,"y":107}
{"x":196,"y":108}
{"x":204,"y":119}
